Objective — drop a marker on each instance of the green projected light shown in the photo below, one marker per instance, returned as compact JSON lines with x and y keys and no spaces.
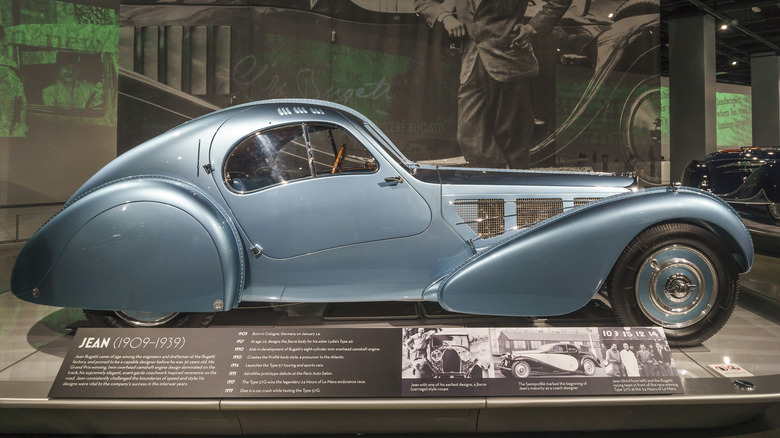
{"x":58,"y":64}
{"x":734,"y":118}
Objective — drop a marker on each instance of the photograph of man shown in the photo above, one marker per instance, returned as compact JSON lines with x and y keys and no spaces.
{"x":629,"y":361}
{"x":12,"y":99}
{"x":446,"y":353}
{"x":495,"y":114}
{"x":418,"y":342}
{"x":70,"y":90}
{"x":614,"y":362}
{"x":648,"y":366}
{"x":665,"y":368}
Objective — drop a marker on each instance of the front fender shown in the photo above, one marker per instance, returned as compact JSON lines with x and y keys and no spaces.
{"x":556,"y":266}
{"x":150,"y":243}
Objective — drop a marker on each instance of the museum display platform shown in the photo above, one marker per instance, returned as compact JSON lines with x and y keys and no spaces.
{"x":36,"y":339}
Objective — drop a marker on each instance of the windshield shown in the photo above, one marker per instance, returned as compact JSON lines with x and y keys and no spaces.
{"x":451,"y":341}
{"x":388,"y":145}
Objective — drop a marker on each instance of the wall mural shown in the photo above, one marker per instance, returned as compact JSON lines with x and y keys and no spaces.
{"x":585,"y":82}
{"x":58,"y":63}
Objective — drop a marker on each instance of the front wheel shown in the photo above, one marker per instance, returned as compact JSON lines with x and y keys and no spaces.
{"x":677,"y":276}
{"x":129,"y":318}
{"x":520,"y":369}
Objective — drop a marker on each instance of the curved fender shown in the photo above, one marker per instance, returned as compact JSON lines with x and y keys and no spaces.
{"x":696,"y":174}
{"x":766,"y":178}
{"x":149,"y":243}
{"x":556,"y":266}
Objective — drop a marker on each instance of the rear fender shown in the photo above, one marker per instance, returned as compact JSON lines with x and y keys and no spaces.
{"x":150,"y":243}
{"x":760,"y":187}
{"x":556,"y":266}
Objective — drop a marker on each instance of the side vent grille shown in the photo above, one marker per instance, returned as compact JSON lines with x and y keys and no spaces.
{"x":582,"y":201}
{"x":533,"y":210}
{"x":484,"y":216}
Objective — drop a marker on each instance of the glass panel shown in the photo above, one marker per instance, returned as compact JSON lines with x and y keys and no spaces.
{"x":151,"y":45}
{"x":326,"y":144}
{"x":174,"y":35}
{"x":222,"y":59}
{"x":267,"y":158}
{"x":198,"y":51}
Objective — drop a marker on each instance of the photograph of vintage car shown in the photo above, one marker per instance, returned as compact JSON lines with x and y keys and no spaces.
{"x":549,"y":359}
{"x":289,"y":201}
{"x":747,"y":178}
{"x":439,"y":353}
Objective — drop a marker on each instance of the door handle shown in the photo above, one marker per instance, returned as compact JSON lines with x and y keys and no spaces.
{"x":394,"y":179}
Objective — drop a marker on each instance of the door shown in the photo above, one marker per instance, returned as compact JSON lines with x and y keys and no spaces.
{"x":303,"y":188}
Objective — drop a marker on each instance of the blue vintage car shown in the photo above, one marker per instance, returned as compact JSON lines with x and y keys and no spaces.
{"x":748,"y":178}
{"x":308,"y":201}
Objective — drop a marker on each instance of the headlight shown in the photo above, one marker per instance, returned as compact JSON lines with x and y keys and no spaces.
{"x":464,"y":355}
{"x":436,"y":355}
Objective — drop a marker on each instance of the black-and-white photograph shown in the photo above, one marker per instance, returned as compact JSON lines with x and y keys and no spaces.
{"x":432,"y":353}
{"x":638,"y":358}
{"x":522,"y":84}
{"x":541,"y":352}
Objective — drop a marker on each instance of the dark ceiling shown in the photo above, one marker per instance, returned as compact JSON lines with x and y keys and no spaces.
{"x":754,"y":27}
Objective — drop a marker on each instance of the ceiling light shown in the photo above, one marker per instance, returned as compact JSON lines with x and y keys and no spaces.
{"x":611,"y":14}
{"x":724,"y":26}
{"x":756,"y":9}
{"x":733,"y":62}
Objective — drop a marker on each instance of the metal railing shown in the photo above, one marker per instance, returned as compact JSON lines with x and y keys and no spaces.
{"x":20,"y":221}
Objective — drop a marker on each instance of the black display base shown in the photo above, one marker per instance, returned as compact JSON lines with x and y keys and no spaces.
{"x":39,"y":337}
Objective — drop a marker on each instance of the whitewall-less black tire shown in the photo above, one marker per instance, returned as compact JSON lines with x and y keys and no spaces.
{"x":678,"y":276}
{"x":118,"y":318}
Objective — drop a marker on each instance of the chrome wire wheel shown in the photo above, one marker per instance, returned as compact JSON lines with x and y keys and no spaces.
{"x":676,"y":286}
{"x":774,"y":210}
{"x":588,"y":367}
{"x":678,"y":276}
{"x":520,"y":369}
{"x":136,"y":318}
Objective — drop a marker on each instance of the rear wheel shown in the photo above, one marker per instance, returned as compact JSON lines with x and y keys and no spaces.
{"x":632,"y":8}
{"x":588,"y":367}
{"x":129,"y":318}
{"x":477,"y":373}
{"x":677,"y":276}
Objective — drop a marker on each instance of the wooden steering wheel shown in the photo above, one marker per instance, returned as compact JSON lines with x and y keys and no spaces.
{"x":339,"y":159}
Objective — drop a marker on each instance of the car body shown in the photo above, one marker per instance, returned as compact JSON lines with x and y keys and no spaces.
{"x":748,"y":179}
{"x":308,"y":201}
{"x":447,"y":356}
{"x":559,"y":357}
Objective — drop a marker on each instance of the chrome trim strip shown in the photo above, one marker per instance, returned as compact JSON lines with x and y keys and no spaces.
{"x":378,"y":404}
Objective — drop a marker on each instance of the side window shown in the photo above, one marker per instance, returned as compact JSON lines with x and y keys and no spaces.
{"x":267,"y":158}
{"x":335,"y":151}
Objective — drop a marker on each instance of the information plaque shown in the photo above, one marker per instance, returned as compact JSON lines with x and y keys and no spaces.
{"x":257,"y":362}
